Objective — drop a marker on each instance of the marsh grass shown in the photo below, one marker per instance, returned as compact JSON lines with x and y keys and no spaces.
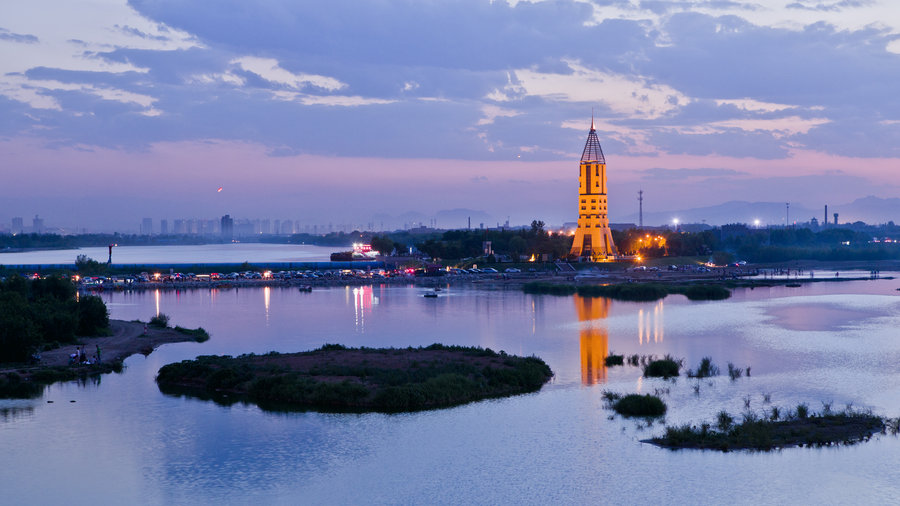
{"x":734,"y":372}
{"x":706,"y":369}
{"x":777,"y":430}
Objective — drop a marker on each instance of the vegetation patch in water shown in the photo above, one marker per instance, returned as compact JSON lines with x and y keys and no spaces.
{"x":338,"y":378}
{"x":706,"y":369}
{"x":666,"y":368}
{"x":636,"y":405}
{"x":613,"y":359}
{"x":638,"y":292}
{"x":797,"y":428}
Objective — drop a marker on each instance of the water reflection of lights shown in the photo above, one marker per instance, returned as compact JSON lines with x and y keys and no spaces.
{"x":594,"y":338}
{"x":650,"y":324}
{"x":156,"y":296}
{"x":363,"y":300}
{"x":267,"y":296}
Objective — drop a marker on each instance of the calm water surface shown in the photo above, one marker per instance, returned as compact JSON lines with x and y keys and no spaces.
{"x":210,"y":253}
{"x":124,"y":442}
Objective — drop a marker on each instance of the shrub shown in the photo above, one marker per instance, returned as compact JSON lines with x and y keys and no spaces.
{"x":612,"y":360}
{"x":640,"y":405}
{"x":663,"y":368}
{"x":724,"y":421}
{"x":160,"y":321}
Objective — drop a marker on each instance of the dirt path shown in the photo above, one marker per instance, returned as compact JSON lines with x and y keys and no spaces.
{"x":127,"y":339}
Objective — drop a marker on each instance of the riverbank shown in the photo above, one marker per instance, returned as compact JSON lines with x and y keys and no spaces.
{"x":124,"y":339}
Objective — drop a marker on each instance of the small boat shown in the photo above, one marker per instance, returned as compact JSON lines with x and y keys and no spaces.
{"x":431,"y":295}
{"x":305,"y":288}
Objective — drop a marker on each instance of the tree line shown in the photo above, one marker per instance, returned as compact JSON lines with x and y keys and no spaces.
{"x":42,"y":314}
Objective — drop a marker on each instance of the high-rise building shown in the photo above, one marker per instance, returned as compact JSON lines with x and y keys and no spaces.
{"x":179,"y":228}
{"x":147,"y":226}
{"x":18,"y":225}
{"x":593,"y":238}
{"x":163,"y":227}
{"x":227,"y":227}
{"x":37,"y":225}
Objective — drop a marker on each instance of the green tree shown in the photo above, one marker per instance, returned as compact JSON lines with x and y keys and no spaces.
{"x":93,"y":317}
{"x":517,"y":246}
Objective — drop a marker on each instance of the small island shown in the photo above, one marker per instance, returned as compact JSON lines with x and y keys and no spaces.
{"x":338,"y":378}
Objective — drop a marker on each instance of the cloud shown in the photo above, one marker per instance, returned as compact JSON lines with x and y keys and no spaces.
{"x":18,"y":37}
{"x":270,"y":70}
{"x":658,"y":173}
{"x":830,"y":7}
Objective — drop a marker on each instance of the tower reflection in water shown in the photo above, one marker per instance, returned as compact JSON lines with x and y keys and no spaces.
{"x":594,"y":338}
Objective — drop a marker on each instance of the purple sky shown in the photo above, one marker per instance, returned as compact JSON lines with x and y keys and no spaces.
{"x":353,"y":112}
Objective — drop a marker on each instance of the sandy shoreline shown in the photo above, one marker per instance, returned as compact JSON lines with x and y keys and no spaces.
{"x":126,"y":339}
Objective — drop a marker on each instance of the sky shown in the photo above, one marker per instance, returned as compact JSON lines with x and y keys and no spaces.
{"x":356,"y":112}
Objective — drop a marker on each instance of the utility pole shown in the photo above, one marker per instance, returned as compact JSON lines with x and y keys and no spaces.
{"x":787,"y":214}
{"x":640,"y":209}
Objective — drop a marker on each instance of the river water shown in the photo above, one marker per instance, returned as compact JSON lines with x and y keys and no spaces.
{"x":210,"y":253}
{"x":122,"y":441}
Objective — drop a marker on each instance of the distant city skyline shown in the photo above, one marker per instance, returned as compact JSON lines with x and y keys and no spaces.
{"x":871,"y":210}
{"x":343,"y":111}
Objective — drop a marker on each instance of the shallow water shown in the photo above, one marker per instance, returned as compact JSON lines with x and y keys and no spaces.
{"x":123,"y":441}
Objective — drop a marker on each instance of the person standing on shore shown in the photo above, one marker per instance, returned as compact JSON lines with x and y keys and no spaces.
{"x":98,"y":354}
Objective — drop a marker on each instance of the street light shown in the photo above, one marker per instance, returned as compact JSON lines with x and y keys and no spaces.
{"x":756,"y":222}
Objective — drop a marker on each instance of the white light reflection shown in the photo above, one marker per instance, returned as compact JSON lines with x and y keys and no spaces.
{"x":651,"y":325}
{"x":156,"y":296}
{"x":363,"y":300}
{"x":267,"y":295}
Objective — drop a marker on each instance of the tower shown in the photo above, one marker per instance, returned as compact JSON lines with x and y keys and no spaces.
{"x":593,"y":239}
{"x":640,"y":209}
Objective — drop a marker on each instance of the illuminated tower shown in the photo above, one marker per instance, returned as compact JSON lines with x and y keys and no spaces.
{"x":593,"y":238}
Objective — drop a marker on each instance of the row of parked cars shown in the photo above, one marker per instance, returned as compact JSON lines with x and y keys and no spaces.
{"x":178,"y":277}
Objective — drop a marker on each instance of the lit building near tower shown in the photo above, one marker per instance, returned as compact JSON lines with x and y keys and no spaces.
{"x":593,"y":238}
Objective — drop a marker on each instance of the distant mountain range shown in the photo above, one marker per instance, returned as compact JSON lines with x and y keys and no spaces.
{"x":872,"y":210}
